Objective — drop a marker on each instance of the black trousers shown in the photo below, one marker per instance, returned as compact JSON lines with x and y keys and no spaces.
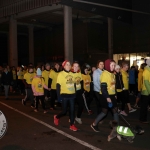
{"x":37,"y":98}
{"x":126,"y":96}
{"x":144,"y":104}
{"x":120,"y":97}
{"x":98,"y":98}
{"x":80,"y":102}
{"x":53,"y":97}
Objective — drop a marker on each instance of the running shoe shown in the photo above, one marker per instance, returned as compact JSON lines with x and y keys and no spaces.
{"x":56,"y":121}
{"x":95,"y":128}
{"x":73,"y":128}
{"x":35,"y":110}
{"x":132,"y":110}
{"x":23,"y":102}
{"x":136,"y":106}
{"x":45,"y":111}
{"x":123,"y":113}
{"x":78,"y":120}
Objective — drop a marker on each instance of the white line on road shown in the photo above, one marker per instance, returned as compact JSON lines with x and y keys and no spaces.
{"x":55,"y":129}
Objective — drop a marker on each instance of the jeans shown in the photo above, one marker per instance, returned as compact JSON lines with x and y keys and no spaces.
{"x":65,"y":102}
{"x":6,"y":87}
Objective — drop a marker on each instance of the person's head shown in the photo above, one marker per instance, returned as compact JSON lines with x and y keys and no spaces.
{"x":110,"y":65}
{"x":56,"y":66}
{"x":38,"y":72}
{"x":100,"y":65}
{"x":84,"y":70}
{"x":88,"y":67}
{"x":75,"y":67}
{"x":30,"y":70}
{"x":143,"y":65}
{"x":20,"y":68}
{"x":66,"y":65}
{"x":25,"y":68}
{"x":132,"y":67}
{"x":5,"y":69}
{"x":42,"y":67}
{"x":117,"y":68}
{"x":47,"y":66}
{"x":93,"y":69}
{"x":125,"y":66}
{"x":148,"y":62}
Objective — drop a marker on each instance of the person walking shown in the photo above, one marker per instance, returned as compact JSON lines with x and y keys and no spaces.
{"x":66,"y":88}
{"x":52,"y":85}
{"x":6,"y":81}
{"x":96,"y":82}
{"x":145,"y":94}
{"x":108,"y":91}
{"x":38,"y":86}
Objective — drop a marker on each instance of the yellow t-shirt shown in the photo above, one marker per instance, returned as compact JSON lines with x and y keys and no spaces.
{"x":29,"y":77}
{"x":53,"y":75}
{"x":66,"y":81}
{"x":86,"y":82}
{"x":14,"y":74}
{"x":20,"y":75}
{"x":125,"y":79}
{"x":77,"y":80}
{"x":45,"y":75}
{"x":38,"y":84}
{"x":25,"y":71}
{"x":109,"y":78}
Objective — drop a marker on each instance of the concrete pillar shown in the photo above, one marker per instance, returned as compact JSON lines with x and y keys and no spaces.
{"x":110,"y":38}
{"x":31,"y":44}
{"x":13,"y":50}
{"x":68,"y":35}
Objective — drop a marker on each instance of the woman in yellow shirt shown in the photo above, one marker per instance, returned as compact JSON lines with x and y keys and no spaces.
{"x":66,"y":88}
{"x":86,"y":88}
{"x":52,"y":85}
{"x":108,"y":90}
{"x":79,"y":90}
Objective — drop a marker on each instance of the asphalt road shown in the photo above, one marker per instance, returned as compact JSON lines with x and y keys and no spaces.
{"x":28,"y":130}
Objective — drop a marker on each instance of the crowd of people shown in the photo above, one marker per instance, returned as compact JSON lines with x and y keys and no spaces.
{"x":70,"y":84}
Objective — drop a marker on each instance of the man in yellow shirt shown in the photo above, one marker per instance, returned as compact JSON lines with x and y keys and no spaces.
{"x":45,"y":75}
{"x":28,"y":77}
{"x":52,"y":85}
{"x":125,"y":78}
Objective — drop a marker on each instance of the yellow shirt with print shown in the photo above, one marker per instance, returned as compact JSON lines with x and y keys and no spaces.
{"x":125,"y":79}
{"x":20,"y":75}
{"x":53,"y":75}
{"x":29,"y":77}
{"x":45,"y":75}
{"x":14,"y":74}
{"x":77,"y":80}
{"x":109,"y":79}
{"x":38,"y":84}
{"x":66,"y":81}
{"x":86,"y":82}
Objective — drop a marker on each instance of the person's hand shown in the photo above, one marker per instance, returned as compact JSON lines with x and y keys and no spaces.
{"x":108,"y":100}
{"x":49,"y":89}
{"x":116,"y":97}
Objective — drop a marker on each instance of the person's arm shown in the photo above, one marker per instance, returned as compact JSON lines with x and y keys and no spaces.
{"x":96,"y":80}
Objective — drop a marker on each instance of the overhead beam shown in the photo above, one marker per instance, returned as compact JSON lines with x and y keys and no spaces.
{"x":38,"y":11}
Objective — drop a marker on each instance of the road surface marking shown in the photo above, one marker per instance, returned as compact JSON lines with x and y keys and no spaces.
{"x":55,"y":129}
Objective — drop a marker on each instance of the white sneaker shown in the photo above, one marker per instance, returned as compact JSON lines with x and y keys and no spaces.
{"x":123,"y":113}
{"x":132,"y":110}
{"x":78,"y":120}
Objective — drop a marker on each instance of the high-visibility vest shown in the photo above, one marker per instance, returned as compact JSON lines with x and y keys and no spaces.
{"x":125,"y":131}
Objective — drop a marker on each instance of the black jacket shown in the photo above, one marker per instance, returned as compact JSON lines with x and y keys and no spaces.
{"x":7,"y":78}
{"x":119,"y":82}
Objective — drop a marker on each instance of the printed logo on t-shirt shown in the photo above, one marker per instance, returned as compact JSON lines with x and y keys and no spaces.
{"x":87,"y":84}
{"x":78,"y":85}
{"x":31,"y":78}
{"x":40,"y":85}
{"x":70,"y":83}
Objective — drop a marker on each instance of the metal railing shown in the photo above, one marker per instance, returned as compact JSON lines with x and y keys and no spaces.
{"x":10,"y":7}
